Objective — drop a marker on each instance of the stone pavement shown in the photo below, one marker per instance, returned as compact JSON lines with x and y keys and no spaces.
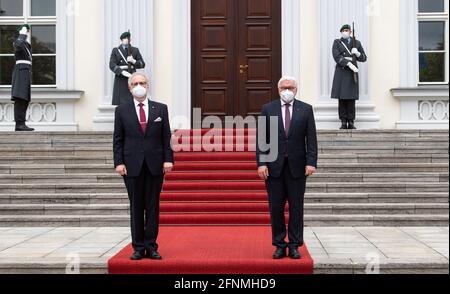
{"x":335,"y":250}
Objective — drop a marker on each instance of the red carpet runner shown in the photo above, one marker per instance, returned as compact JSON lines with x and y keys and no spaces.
{"x":214,"y":216}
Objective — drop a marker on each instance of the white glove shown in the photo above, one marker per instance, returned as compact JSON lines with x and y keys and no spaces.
{"x":126,"y":74}
{"x":23,"y":31}
{"x":353,"y":67}
{"x":356,"y":52}
{"x":131,"y":60}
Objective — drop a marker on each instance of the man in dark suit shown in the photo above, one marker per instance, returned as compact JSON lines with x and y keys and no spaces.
{"x":296,"y":160}
{"x":142,"y":155}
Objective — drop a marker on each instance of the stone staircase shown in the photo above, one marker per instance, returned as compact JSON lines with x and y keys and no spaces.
{"x":366,"y":178}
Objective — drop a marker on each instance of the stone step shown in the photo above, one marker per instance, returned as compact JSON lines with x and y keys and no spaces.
{"x":366,"y":178}
{"x":322,"y":266}
{"x":40,"y":266}
{"x":322,"y":143}
{"x":58,"y":151}
{"x":323,"y":133}
{"x":227,"y":176}
{"x":90,"y":135}
{"x":229,"y":166}
{"x":344,"y":149}
{"x":51,"y":140}
{"x":37,"y":160}
{"x":310,"y":220}
{"x":224,"y":208}
{"x":226,"y":186}
{"x":122,"y":198}
{"x":324,"y":150}
{"x":246,"y":157}
{"x":398,"y":141}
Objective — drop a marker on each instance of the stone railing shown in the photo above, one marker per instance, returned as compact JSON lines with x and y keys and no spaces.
{"x":50,"y":110}
{"x":423,"y":107}
{"x":433,"y":110}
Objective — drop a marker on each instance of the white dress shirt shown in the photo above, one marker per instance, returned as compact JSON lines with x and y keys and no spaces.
{"x":283,"y":111}
{"x":138,"y":108}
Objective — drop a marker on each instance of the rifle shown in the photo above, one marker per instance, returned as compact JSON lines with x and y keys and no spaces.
{"x":355,"y":59}
{"x":130,"y":52}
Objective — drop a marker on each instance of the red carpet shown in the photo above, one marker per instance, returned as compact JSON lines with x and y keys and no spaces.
{"x":214,"y":214}
{"x":213,"y":250}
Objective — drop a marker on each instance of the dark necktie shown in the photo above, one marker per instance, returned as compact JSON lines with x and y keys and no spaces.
{"x":142,"y":118}
{"x":288,"y":119}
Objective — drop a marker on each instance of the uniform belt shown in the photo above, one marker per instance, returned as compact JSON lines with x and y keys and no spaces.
{"x":24,"y":62}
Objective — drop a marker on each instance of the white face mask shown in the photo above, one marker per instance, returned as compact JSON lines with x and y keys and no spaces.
{"x":125,"y":42}
{"x":345,"y":35}
{"x":29,"y":38}
{"x":287,"y":96}
{"x":139,"y":92}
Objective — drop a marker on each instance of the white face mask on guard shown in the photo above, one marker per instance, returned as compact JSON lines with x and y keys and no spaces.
{"x":346,"y":35}
{"x":139,"y":92}
{"x":125,"y":42}
{"x":287,"y":96}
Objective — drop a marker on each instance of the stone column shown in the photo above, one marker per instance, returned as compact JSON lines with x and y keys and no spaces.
{"x":291,"y":38}
{"x":120,"y":16}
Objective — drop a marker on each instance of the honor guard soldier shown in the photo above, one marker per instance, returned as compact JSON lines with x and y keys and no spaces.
{"x":125,"y":60}
{"x":21,"y":78}
{"x":347,"y":52}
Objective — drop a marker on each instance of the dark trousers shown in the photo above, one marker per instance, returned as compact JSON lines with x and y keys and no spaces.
{"x":144,"y":194}
{"x":20,"y":111}
{"x":291,"y":189}
{"x":347,"y":110}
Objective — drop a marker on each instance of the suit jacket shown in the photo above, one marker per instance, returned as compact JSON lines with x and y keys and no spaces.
{"x":132,"y":147}
{"x":300,"y":145}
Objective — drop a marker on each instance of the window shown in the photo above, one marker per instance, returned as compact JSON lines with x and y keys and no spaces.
{"x":433,"y":42}
{"x":41,"y":15}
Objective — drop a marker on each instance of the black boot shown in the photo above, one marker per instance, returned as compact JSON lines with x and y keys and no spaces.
{"x":23,"y":128}
{"x":344,"y":125}
{"x":351,"y":125}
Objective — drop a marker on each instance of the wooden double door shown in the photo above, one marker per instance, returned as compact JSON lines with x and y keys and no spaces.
{"x":236,"y":56}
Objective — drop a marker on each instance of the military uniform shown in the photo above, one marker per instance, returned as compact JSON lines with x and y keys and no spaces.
{"x":118,"y":64}
{"x":21,"y":81}
{"x":344,"y":87}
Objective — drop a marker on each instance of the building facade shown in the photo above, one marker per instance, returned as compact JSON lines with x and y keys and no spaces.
{"x":225,"y":57}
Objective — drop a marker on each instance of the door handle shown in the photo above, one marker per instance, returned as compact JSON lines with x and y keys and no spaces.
{"x":243,"y":68}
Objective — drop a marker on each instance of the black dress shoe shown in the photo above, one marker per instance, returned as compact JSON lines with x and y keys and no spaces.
{"x":154,"y":255}
{"x":344,"y":125}
{"x":137,"y":256}
{"x":294,"y":253}
{"x":280,"y":253}
{"x":24,"y":128}
{"x":351,"y":125}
